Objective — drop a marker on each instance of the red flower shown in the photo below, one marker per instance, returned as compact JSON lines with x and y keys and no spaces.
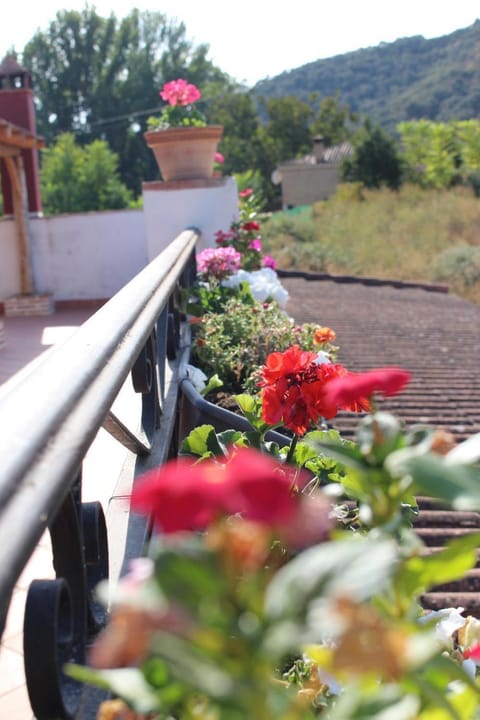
{"x":473,"y":653}
{"x":246,"y":193}
{"x":353,"y":387}
{"x":260,"y":488}
{"x":251,"y":225}
{"x":184,"y":494}
{"x":294,"y":390}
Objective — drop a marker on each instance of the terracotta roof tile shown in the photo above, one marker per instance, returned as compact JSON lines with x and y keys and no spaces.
{"x":433,"y":334}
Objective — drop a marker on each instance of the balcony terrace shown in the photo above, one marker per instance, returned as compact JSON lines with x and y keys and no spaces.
{"x":88,"y":400}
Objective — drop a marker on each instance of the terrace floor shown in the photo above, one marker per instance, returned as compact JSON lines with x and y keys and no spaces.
{"x":433,"y":334}
{"x":28,"y":341}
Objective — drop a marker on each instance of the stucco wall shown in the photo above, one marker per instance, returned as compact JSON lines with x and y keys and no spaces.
{"x":91,"y":256}
{"x":170,"y":207}
{"x":305,"y":184}
{"x":87,"y":256}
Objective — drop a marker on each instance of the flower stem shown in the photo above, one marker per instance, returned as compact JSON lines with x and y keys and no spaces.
{"x":291,"y":450}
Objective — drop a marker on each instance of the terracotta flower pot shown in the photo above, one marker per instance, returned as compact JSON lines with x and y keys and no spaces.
{"x":185,"y":153}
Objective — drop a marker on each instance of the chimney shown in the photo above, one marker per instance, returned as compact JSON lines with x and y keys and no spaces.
{"x":318,"y":148}
{"x":17,"y":107}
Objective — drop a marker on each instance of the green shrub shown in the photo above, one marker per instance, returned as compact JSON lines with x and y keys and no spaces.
{"x":297,"y":227}
{"x":349,"y":192}
{"x":458,"y":266}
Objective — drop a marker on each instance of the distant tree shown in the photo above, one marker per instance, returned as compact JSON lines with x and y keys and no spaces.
{"x":288,"y":126}
{"x":100,"y":78}
{"x":375,"y":161}
{"x":334,"y":121}
{"x":441,"y":154}
{"x":79,"y":179}
{"x":237,"y":112}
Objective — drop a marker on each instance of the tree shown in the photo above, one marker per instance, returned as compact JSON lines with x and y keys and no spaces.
{"x":76,"y":179}
{"x":237,"y":113}
{"x":333,"y":121}
{"x":441,"y":154}
{"x":288,"y":126}
{"x":100,"y":78}
{"x":375,"y":161}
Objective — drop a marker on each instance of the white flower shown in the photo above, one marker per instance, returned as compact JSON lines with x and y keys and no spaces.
{"x":196,"y":377}
{"x":448,"y":621}
{"x":264,"y":285}
{"x":322,"y":358}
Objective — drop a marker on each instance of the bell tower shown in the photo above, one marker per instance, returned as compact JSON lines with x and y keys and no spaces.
{"x":17,"y":106}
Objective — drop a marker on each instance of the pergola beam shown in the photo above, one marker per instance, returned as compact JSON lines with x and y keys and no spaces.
{"x":14,"y":167}
{"x":18,"y":137}
{"x":8,"y":150}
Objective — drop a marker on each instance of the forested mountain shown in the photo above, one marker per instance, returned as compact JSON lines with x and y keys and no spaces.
{"x":408,"y":79}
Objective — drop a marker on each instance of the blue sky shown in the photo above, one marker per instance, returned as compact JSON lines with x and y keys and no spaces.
{"x":254,"y":39}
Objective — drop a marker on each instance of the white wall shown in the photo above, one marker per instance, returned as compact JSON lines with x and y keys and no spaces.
{"x":208,"y":205}
{"x":92,"y":255}
{"x":88,"y":256}
{"x":81,"y":256}
{"x":9,"y":260}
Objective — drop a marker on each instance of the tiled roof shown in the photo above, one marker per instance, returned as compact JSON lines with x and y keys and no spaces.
{"x":435,"y":335}
{"x":10,"y":66}
{"x":331,"y":155}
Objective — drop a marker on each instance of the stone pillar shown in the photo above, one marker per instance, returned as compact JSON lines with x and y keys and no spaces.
{"x":171,"y":207}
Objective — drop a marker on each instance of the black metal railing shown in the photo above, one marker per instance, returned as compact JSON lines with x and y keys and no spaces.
{"x":48,"y":422}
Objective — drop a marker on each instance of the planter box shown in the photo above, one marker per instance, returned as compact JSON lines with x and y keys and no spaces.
{"x":194,"y":410}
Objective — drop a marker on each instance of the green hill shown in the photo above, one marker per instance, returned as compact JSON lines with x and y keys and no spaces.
{"x":408,"y":79}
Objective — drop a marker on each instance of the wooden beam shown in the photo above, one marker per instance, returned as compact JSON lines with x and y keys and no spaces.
{"x":8,"y":150}
{"x":15,"y":168}
{"x":15,"y":136}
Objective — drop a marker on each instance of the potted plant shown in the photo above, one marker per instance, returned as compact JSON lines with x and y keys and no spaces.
{"x":183,"y":144}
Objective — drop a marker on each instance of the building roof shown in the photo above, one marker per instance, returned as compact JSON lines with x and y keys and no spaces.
{"x":433,"y":334}
{"x":10,"y":66}
{"x":331,"y":155}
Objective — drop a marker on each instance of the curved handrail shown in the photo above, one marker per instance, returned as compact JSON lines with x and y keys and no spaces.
{"x":50,"y":419}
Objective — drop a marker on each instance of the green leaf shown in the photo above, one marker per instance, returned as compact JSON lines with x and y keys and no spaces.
{"x":458,"y":485}
{"x":127,"y":683}
{"x":378,"y":435}
{"x":451,"y":563}
{"x":385,"y":702}
{"x":333,"y":568}
{"x":246,"y":403}
{"x":202,"y":441}
{"x":251,"y":407}
{"x":348,"y":455}
{"x":232,"y":437}
{"x":213,"y":383}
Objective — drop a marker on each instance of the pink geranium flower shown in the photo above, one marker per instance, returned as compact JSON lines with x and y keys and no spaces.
{"x":269,"y":262}
{"x":255,"y":244}
{"x":246,"y":193}
{"x":218,"y":262}
{"x":185,"y":495}
{"x":180,"y":92}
